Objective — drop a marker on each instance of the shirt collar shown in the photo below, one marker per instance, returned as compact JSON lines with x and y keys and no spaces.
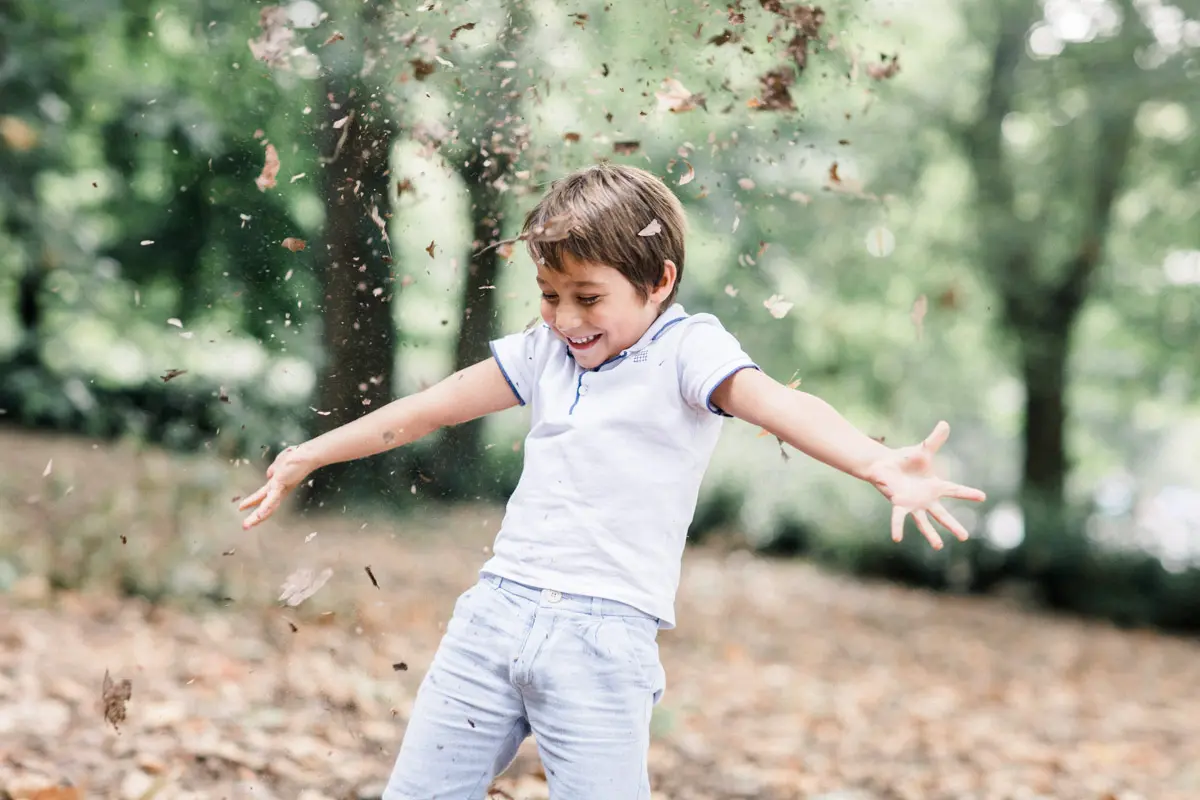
{"x":672,"y":315}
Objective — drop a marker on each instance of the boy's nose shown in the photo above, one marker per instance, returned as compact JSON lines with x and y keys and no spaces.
{"x":567,"y":320}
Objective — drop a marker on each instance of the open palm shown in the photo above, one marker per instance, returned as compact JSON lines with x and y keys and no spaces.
{"x":906,"y":477}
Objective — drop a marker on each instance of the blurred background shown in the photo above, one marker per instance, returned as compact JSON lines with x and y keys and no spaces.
{"x":227,"y":226}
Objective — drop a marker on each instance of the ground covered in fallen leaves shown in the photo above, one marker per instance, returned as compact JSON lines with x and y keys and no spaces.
{"x":783,"y":681}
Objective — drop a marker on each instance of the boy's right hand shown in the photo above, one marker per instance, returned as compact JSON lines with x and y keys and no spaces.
{"x":286,"y":473}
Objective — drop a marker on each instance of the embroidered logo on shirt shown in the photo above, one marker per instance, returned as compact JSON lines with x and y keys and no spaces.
{"x":640,"y":355}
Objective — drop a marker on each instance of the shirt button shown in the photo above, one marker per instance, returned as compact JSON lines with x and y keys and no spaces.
{"x":583,"y":389}
{"x":554,"y":595}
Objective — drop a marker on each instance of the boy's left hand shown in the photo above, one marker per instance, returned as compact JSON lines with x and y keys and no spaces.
{"x":906,"y":477}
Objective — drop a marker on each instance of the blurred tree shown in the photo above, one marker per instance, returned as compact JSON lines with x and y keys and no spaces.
{"x":1043,"y":228}
{"x":358,"y":374}
{"x":487,"y":142}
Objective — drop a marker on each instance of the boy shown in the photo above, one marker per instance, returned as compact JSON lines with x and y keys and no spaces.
{"x":627,"y":394}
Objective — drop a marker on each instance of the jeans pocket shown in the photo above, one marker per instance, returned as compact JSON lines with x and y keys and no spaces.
{"x":641,"y":633}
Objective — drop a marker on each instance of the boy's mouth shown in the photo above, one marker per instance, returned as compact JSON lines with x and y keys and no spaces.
{"x":583,"y":342}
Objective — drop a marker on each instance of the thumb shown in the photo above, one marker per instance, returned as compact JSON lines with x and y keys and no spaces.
{"x":934,"y":441}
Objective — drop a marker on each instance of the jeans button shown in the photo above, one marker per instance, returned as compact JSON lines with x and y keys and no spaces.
{"x":554,"y":596}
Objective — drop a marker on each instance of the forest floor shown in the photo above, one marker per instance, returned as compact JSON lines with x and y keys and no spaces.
{"x":784,"y":681}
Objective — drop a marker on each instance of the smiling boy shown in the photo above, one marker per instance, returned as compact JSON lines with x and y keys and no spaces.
{"x":627,"y":393}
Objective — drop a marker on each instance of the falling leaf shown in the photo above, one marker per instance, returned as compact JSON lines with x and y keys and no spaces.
{"x":775,"y":90}
{"x":171,"y":374}
{"x":114,"y":696}
{"x":266,"y":179}
{"x":466,"y":26}
{"x":223,"y":394}
{"x":336,"y":37}
{"x":303,"y":584}
{"x":571,"y":136}
{"x":580,"y":19}
{"x":778,"y":307}
{"x":49,"y":468}
{"x":17,"y":134}
{"x":341,"y":123}
{"x":919,"y":307}
{"x":274,"y":45}
{"x":653,"y":229}
{"x":371,"y":575}
{"x":689,"y":176}
{"x":294,"y":244}
{"x":505,"y":250}
{"x":403,"y":186}
{"x":745,"y":183}
{"x":310,"y":537}
{"x":147,"y":242}
{"x":729,"y":290}
{"x":379,"y":222}
{"x":736,"y":221}
{"x":626,"y":148}
{"x":422,"y":69}
{"x":675,"y":97}
{"x":554,"y":229}
{"x":432,"y":245}
{"x":174,"y":321}
{"x":833,"y":173}
{"x":885,"y":69}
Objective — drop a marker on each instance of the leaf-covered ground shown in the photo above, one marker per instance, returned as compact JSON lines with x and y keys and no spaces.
{"x":783,"y":681}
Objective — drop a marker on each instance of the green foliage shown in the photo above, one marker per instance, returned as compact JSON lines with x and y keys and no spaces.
{"x":127,"y":123}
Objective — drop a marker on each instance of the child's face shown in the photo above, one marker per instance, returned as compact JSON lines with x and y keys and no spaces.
{"x":596,"y":310}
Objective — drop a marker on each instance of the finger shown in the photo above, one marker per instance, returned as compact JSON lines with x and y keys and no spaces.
{"x":957,"y":490}
{"x":947,"y":521}
{"x":934,"y":441}
{"x":254,"y":499}
{"x":926,"y":527}
{"x":266,"y":508}
{"x":898,"y":515}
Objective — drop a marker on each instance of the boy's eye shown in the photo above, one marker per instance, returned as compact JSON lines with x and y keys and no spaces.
{"x":587,"y":301}
{"x":549,"y":297}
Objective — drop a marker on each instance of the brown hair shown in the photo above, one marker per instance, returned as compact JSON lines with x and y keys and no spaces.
{"x":607,"y":205}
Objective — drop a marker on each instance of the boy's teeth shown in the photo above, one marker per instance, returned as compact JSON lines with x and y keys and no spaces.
{"x":585,"y":339}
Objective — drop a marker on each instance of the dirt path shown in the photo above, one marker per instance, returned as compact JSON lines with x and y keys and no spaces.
{"x":783,"y":682}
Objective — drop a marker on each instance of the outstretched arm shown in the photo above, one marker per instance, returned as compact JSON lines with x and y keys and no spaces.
{"x":903,"y":475}
{"x":471,"y":393}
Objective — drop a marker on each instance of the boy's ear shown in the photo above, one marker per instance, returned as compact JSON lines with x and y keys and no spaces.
{"x":670,"y":274}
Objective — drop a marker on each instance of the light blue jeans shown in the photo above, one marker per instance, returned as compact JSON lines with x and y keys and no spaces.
{"x":581,"y":673}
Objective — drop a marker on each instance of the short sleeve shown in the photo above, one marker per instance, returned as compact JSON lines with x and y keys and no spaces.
{"x":521,"y":356}
{"x":708,"y":355}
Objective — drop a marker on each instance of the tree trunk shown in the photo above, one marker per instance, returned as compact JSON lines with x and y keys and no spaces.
{"x":1044,"y":353}
{"x":458,"y":462}
{"x":30,"y":313}
{"x":357,"y":328}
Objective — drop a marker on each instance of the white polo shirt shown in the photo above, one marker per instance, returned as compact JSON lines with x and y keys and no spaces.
{"x":613,"y":460}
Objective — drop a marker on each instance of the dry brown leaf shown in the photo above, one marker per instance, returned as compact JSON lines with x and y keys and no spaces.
{"x":919,"y":307}
{"x":653,"y":229}
{"x":274,"y":45}
{"x":294,"y":244}
{"x":466,"y":26}
{"x":431,"y":248}
{"x":270,"y":170}
{"x":885,"y":69}
{"x":18,"y":134}
{"x":303,"y":584}
{"x":689,"y":176}
{"x":778,"y":307}
{"x":626,"y":148}
{"x":555,"y":229}
{"x":675,"y":97}
{"x":172,"y":374}
{"x":337,"y":36}
{"x":114,"y":696}
{"x":833,"y":173}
